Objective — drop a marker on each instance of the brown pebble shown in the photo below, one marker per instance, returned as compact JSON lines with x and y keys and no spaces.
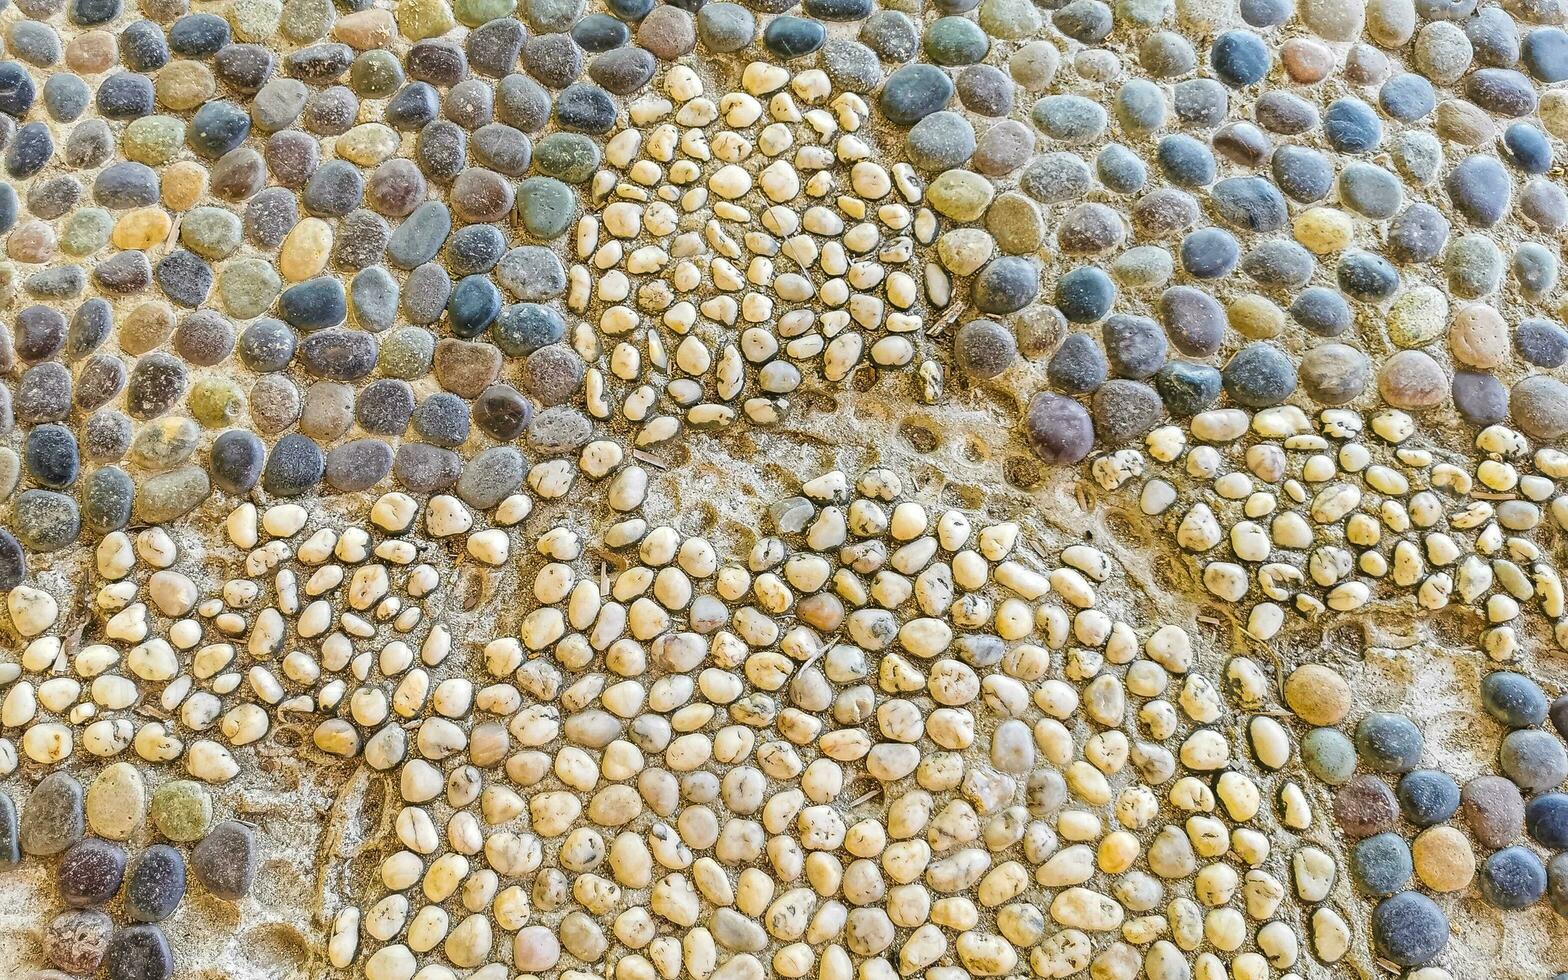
{"x":1307,"y":62}
{"x":1317,"y":694}
{"x":1493,"y":810}
{"x":364,"y":29}
{"x":1443,"y":859}
{"x":466,"y":367}
{"x":32,"y":242}
{"x":1015,"y":223}
{"x":92,"y":52}
{"x":1478,"y":336}
{"x":328,"y":411}
{"x":76,"y":940}
{"x":1365,"y":806}
{"x":146,"y":328}
{"x":184,"y":85}
{"x":274,"y":403}
{"x":668,"y":32}
{"x":183,"y":185}
{"x":1412,"y":380}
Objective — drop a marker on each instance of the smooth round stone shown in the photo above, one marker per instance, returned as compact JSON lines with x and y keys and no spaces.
{"x":725,"y":28}
{"x":13,"y":571}
{"x":1351,"y":126}
{"x":1546,"y":820}
{"x":106,"y":437}
{"x":44,"y":394}
{"x":1544,"y":52}
{"x":1077,"y":367}
{"x":1335,"y":374}
{"x":1413,"y":381}
{"x":623,"y":71}
{"x":1070,"y":119}
{"x":1533,"y":759}
{"x":1493,"y":810}
{"x":338,"y":354}
{"x":266,"y":345}
{"x":1209,"y":253}
{"x":1059,"y":430}
{"x":1259,"y":375}
{"x":891,"y":34}
{"x":1016,"y":224}
{"x":1239,"y":58}
{"x":1124,"y":410}
{"x":1305,"y":175}
{"x":986,"y":90}
{"x":294,"y":466}
{"x":1200,"y":102}
{"x":1120,"y":170}
{"x":493,"y":47}
{"x":532,"y":274}
{"x":913,"y":92}
{"x":552,"y":375}
{"x":117,"y":801}
{"x":1475,"y":267}
{"x":225,"y":861}
{"x":1388,"y":742}
{"x":50,"y":456}
{"x":107,"y":498}
{"x":789,"y":37}
{"x":1004,"y":148}
{"x":523,"y":103}
{"x":1539,"y":406}
{"x":407,"y":353}
{"x":1418,"y":234}
{"x":570,"y":157}
{"x":1427,"y":796}
{"x":1187,"y":388}
{"x":52,"y":817}
{"x":385,"y":406}
{"x":30,"y":149}
{"x":1381,"y":864}
{"x":442,"y":419}
{"x":954,"y":41}
{"x":235,"y":461}
{"x":1166,"y":54}
{"x":597,"y":33}
{"x":1367,"y":277}
{"x":76,"y":941}
{"x":475,"y":249}
{"x":1513,"y":879}
{"x":1479,"y":397}
{"x":1541,"y":342}
{"x":1280,"y":263}
{"x":38,"y":45}
{"x":168,"y":496}
{"x":940,"y":141}
{"x":1140,"y":106}
{"x":1480,"y":189}
{"x":491,"y":477}
{"x":156,"y":884}
{"x":90,"y":873}
{"x":1085,"y":21}
{"x":502,"y":412}
{"x":1084,"y":295}
{"x":1006,"y":285}
{"x":1409,"y":929}
{"x":586,"y":108}
{"x":423,"y":468}
{"x":983,"y":349}
{"x":139,"y":953}
{"x":547,"y":207}
{"x":328,"y":411}
{"x":1513,"y":699}
{"x":358,"y":465}
{"x":1194,"y":320}
{"x":1534,"y":267}
{"x":1329,"y":755}
{"x":1528,"y":148}
{"x":1250,"y":204}
{"x":45,"y":520}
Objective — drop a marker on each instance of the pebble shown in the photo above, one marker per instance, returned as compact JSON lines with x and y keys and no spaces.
{"x":181,"y":810}
{"x":1059,"y":430}
{"x":76,"y":941}
{"x":155,"y":884}
{"x":226,"y":860}
{"x":1512,"y":878}
{"x":1409,"y":929}
{"x":52,"y":817}
{"x":139,"y":953}
{"x":1493,"y":810}
{"x":90,"y":873}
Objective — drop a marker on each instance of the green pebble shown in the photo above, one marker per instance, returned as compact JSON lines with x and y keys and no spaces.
{"x":216,"y":402}
{"x":165,"y":443}
{"x":86,"y":231}
{"x":255,"y":21}
{"x":153,"y":140}
{"x":375,"y":74}
{"x":1329,"y":755}
{"x":546,"y":207}
{"x":960,"y":194}
{"x":955,"y":41}
{"x":419,"y":19}
{"x":171,"y":495}
{"x":473,"y":13}
{"x":571,"y":157}
{"x":1010,"y":19}
{"x":407,"y":353}
{"x":308,"y":20}
{"x":248,"y":287}
{"x":1144,"y":13}
{"x":181,"y":810}
{"x":212,"y":233}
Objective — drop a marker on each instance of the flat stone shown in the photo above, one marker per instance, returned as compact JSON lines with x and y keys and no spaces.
{"x":156,"y":884}
{"x":52,"y":818}
{"x":117,"y":801}
{"x":91,"y":872}
{"x":226,"y":860}
{"x":139,"y":953}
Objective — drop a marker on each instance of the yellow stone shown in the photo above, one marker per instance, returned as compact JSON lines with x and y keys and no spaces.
{"x":1255,"y":317}
{"x":419,"y":19}
{"x":367,"y":144}
{"x":184,"y":85}
{"x":183,"y":185}
{"x":141,"y":229}
{"x":1324,"y":230}
{"x":305,"y":250}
